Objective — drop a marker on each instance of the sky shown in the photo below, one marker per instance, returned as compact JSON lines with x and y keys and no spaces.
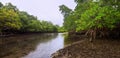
{"x":44,"y":9}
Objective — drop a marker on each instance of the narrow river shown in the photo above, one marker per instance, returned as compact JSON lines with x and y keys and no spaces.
{"x":31,"y":45}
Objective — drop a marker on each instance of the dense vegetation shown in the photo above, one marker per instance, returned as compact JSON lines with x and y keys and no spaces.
{"x":12,"y":20}
{"x":97,"y":18}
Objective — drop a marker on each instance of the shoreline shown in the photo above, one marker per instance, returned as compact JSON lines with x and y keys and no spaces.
{"x":100,"y":48}
{"x":27,"y":33}
{"x":56,"y":54}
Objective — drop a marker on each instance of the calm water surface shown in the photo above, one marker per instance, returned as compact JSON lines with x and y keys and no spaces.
{"x":31,"y":46}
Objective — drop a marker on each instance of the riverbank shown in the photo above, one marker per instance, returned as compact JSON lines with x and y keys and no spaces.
{"x":27,"y":33}
{"x":99,"y":48}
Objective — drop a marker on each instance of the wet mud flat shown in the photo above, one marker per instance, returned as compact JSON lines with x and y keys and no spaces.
{"x":99,"y":48}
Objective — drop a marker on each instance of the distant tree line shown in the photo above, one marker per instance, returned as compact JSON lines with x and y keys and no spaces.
{"x":98,"y":18}
{"x":12,"y":20}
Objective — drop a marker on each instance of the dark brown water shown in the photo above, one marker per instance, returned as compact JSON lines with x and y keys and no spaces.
{"x":31,"y":46}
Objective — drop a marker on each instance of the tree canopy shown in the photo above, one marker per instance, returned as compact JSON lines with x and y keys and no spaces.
{"x":93,"y":15}
{"x":14,"y":21}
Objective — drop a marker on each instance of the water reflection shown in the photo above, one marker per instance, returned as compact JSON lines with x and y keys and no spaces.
{"x":31,"y":46}
{"x":45,"y":49}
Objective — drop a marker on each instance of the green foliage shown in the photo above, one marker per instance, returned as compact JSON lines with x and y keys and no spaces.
{"x":69,"y":22}
{"x":65,"y":10}
{"x":98,"y":16}
{"x":68,"y":18}
{"x":93,"y":15}
{"x":9,"y":19}
{"x":12,"y":20}
{"x":61,"y":29}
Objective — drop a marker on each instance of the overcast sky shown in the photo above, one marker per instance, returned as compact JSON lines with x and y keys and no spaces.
{"x":43,"y":9}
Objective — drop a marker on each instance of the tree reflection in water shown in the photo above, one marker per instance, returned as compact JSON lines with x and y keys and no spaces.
{"x":21,"y":45}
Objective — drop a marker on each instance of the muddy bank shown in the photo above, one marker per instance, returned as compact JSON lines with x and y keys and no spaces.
{"x":99,"y":48}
